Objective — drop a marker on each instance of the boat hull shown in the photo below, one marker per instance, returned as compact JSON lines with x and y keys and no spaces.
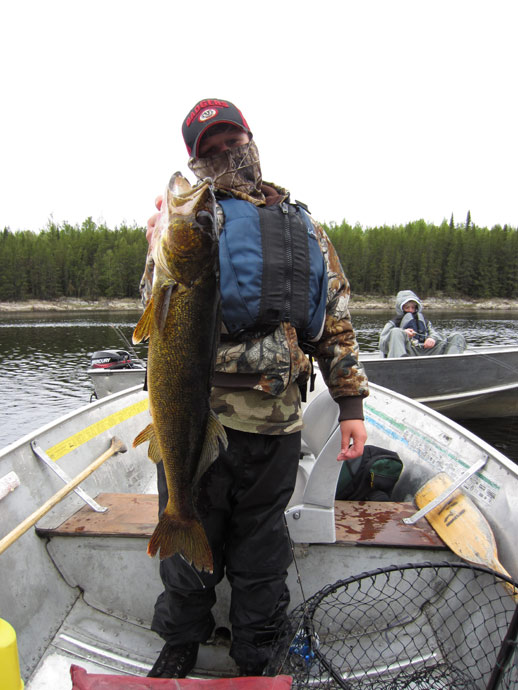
{"x":89,"y":599}
{"x":480,"y":382}
{"x":106,"y":381}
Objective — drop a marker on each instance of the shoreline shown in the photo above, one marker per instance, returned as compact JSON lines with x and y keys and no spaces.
{"x":357,"y":303}
{"x":438,"y":304}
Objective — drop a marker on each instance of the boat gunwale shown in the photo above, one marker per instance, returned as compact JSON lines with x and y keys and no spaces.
{"x":49,"y":426}
{"x":476,"y":440}
{"x":476,"y":350}
{"x":474,"y":393}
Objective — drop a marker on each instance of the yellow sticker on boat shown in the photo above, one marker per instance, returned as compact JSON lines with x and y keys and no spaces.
{"x":89,"y":432}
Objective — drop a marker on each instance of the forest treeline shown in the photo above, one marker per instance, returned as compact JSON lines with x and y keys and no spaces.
{"x":93,"y":261}
{"x":433,"y":260}
{"x":87,"y":262}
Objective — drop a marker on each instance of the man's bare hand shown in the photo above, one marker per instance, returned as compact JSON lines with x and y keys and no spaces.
{"x":354,"y":435}
{"x":152,"y":221}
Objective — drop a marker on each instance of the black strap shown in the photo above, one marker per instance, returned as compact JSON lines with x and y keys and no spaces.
{"x":285,"y":282}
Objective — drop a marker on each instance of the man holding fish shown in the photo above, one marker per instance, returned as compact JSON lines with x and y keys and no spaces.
{"x":270,"y":292}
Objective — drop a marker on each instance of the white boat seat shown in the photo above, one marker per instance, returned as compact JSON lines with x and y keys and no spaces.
{"x":310,"y":513}
{"x":320,"y":418}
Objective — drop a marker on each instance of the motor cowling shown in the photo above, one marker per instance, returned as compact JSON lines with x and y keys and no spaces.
{"x":111,"y":359}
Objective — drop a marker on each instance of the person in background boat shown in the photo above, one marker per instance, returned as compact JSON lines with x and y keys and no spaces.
{"x":256,"y":394}
{"x":410,"y":334}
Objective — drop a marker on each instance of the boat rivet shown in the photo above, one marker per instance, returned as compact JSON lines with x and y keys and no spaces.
{"x":296,"y":516}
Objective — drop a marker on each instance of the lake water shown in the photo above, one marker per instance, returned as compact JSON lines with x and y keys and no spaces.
{"x":45,"y":358}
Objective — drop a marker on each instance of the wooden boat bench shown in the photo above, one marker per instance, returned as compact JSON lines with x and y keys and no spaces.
{"x":357,"y":522}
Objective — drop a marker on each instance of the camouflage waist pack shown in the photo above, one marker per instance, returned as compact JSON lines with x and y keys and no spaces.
{"x":369,"y":477}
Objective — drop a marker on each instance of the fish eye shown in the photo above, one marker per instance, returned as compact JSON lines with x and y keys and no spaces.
{"x":205,"y":219}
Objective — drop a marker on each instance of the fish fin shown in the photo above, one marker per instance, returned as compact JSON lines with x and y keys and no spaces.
{"x":148,"y":434}
{"x":215,"y":432}
{"x":163,"y":305}
{"x":153,"y":451}
{"x":145,"y":435}
{"x":143,"y":328}
{"x":186,"y":537}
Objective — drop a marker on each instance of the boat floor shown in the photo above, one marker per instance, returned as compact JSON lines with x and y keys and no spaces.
{"x":103,"y":641}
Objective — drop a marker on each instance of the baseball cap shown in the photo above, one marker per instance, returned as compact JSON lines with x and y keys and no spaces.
{"x":205,"y":114}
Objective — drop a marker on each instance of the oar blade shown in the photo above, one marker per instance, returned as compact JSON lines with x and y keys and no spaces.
{"x":460,"y":524}
{"x":462,"y":527}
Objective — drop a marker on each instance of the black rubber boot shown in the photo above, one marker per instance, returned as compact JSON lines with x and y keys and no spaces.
{"x":252,"y":670}
{"x":175,"y":661}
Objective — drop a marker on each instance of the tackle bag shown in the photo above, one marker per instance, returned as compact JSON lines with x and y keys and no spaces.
{"x":369,"y":477}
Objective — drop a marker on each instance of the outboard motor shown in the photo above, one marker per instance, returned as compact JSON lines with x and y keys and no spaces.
{"x":111,"y":359}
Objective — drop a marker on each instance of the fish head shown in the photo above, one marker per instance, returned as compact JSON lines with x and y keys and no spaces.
{"x":186,"y":240}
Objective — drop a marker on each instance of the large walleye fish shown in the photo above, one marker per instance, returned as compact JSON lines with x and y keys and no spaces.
{"x":182,"y":321}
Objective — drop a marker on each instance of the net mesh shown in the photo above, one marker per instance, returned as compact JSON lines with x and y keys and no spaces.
{"x":423,"y":626}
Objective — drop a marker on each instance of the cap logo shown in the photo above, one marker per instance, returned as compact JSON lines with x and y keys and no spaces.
{"x":204,"y":104}
{"x":207,"y":114}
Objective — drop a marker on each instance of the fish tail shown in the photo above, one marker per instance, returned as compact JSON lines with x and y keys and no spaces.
{"x":186,"y":537}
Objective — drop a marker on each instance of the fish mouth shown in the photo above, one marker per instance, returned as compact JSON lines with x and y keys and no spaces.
{"x":181,"y":192}
{"x":198,"y":201}
{"x":189,"y":234}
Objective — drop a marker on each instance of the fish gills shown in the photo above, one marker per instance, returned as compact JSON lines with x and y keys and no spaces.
{"x":182,"y":322}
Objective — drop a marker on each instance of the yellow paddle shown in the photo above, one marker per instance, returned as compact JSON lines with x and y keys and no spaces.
{"x":461,"y":526}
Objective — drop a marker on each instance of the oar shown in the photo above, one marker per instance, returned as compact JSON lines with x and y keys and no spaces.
{"x":461,"y":526}
{"x":117,"y":446}
{"x":447,"y":492}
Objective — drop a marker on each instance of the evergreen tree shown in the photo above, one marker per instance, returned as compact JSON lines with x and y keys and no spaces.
{"x":93,"y":261}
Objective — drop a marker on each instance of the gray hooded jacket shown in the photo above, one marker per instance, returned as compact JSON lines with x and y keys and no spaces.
{"x":401,"y":320}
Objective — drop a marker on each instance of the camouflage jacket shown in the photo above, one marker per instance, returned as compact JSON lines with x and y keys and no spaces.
{"x":274,"y":361}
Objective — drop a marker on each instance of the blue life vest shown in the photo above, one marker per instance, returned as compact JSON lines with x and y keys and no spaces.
{"x":415,"y":321}
{"x":271,"y":270}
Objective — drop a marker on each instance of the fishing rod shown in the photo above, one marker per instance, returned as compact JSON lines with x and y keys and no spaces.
{"x":127,"y":343}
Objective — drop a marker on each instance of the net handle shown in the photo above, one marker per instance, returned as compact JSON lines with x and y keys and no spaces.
{"x":505,"y":653}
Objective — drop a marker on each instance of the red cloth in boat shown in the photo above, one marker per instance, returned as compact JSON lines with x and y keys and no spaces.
{"x":82,"y":680}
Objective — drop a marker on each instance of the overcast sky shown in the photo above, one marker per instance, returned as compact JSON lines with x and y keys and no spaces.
{"x":373,"y":111}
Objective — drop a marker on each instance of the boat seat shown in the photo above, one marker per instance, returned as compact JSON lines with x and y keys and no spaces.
{"x":357,"y":522}
{"x":320,"y":419}
{"x":128,"y":515}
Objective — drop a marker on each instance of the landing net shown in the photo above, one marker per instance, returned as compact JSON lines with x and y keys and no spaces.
{"x":418,"y":627}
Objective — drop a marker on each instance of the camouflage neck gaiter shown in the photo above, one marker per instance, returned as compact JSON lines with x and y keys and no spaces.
{"x":237,"y":170}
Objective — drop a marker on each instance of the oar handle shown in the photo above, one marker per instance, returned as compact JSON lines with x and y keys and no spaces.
{"x":117,"y":446}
